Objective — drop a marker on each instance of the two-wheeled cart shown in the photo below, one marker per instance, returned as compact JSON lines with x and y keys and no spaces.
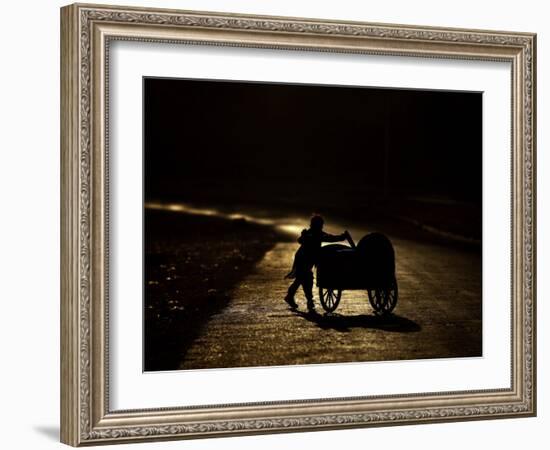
{"x":369,"y":265}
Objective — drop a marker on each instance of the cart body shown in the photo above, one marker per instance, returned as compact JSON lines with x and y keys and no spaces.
{"x":368,"y":266}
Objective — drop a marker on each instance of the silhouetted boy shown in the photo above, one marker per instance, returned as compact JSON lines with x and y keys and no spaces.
{"x":306,"y":257}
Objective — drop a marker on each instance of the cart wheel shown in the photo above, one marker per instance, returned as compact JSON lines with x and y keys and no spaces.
{"x":383,"y":300}
{"x":330,"y":298}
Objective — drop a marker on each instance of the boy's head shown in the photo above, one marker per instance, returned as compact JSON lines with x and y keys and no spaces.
{"x":316,"y":222}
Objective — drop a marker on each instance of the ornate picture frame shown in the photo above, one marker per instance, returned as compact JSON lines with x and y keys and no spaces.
{"x":86,"y":34}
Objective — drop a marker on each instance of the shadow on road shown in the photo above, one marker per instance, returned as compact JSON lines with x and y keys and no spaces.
{"x":192,"y":264}
{"x":333,"y":321}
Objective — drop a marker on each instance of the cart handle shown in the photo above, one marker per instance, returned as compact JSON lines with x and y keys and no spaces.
{"x":349,"y":239}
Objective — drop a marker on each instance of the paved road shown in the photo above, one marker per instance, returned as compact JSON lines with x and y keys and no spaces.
{"x":438,"y":315}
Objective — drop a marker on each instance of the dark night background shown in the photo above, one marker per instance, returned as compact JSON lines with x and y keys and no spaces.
{"x":314,"y":148}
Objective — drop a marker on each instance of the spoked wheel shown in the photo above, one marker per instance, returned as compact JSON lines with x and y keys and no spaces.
{"x":330,"y":298}
{"x":383,"y":300}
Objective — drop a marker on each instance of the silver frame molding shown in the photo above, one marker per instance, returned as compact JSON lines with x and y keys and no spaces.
{"x":86,"y":32}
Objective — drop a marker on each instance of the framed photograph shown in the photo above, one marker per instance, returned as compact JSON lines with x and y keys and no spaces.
{"x":275,"y":224}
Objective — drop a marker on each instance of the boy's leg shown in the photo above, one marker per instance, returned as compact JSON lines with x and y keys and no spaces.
{"x":292,"y":292}
{"x":307,"y":285}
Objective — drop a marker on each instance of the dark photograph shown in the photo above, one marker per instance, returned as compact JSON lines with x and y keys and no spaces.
{"x":297,"y":224}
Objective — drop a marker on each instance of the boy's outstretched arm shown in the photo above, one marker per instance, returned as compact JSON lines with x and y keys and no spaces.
{"x":326,"y":237}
